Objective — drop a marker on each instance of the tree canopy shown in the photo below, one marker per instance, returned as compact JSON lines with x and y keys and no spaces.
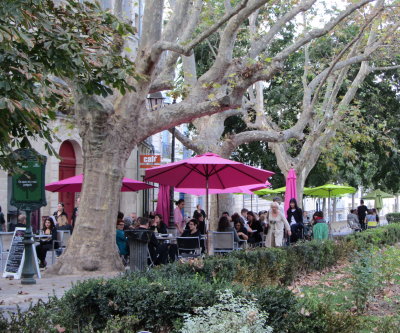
{"x":41,"y":43}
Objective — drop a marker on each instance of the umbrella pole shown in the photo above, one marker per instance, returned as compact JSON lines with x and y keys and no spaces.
{"x":210,"y":247}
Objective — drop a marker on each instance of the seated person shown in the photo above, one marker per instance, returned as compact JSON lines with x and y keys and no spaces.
{"x":320,"y":227}
{"x":121,"y":241}
{"x":192,"y":231}
{"x":158,"y":252}
{"x":46,"y":243}
{"x":241,"y":230}
{"x":158,"y":225}
{"x":352,"y":220}
{"x":255,"y":228}
{"x":21,"y":221}
{"x":225,"y":226}
{"x":63,"y":224}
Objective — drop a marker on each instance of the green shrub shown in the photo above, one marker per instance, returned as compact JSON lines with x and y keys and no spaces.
{"x":393,"y":217}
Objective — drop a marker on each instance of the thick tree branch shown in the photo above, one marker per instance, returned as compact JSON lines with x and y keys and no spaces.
{"x":186,"y":141}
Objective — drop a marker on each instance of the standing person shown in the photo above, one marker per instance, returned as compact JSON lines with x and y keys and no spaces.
{"x":278,"y":200}
{"x":243,"y":216}
{"x":178,"y":217}
{"x":370,"y":220}
{"x":295,"y":219}
{"x":199,"y":212}
{"x":47,"y":243}
{"x":362,"y":213}
{"x":75,"y":211}
{"x":277,"y":224}
{"x":2,"y":221}
{"x":60,"y":211}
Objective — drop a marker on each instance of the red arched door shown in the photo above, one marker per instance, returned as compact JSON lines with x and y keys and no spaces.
{"x":67,"y":169}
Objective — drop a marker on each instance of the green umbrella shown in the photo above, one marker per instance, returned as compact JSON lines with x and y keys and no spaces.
{"x":328,"y":191}
{"x":377,"y":195}
{"x":268,"y":191}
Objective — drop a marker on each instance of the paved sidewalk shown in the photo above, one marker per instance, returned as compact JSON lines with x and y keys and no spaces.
{"x":13,"y":293}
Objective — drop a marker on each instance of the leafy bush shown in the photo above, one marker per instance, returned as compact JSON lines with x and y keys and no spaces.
{"x":231,"y":315}
{"x":393,"y":217}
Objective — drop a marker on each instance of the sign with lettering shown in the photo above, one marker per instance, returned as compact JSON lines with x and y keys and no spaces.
{"x":28,"y":185}
{"x":16,"y":255}
{"x":149,"y":161}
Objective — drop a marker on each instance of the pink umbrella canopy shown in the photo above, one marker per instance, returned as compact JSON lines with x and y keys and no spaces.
{"x":163,"y":203}
{"x":74,"y":184}
{"x":207,"y":171}
{"x":291,"y":189}
{"x":247,"y":189}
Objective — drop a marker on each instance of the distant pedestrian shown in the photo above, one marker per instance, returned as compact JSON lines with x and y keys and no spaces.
{"x":362,"y":213}
{"x":278,"y":200}
{"x":2,"y":221}
{"x":199,"y":211}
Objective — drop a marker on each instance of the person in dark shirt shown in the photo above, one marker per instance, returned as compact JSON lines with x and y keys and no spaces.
{"x":255,"y":228}
{"x":199,"y":212}
{"x":158,"y":225}
{"x":362,"y":213}
{"x":158,"y":252}
{"x":295,"y":219}
{"x":21,"y":221}
{"x":46,"y":243}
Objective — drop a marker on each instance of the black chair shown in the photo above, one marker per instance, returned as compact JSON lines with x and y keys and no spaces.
{"x":188,"y":247}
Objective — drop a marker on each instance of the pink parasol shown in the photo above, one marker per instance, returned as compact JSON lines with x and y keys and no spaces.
{"x":291,"y":188}
{"x":74,"y":184}
{"x":163,"y":203}
{"x":207,"y":171}
{"x":247,"y":189}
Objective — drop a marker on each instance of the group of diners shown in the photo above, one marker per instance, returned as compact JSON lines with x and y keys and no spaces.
{"x":267,"y":228}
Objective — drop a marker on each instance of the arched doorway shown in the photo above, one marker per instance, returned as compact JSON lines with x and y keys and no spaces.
{"x":67,"y":169}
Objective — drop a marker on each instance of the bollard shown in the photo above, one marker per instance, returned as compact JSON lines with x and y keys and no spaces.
{"x":138,"y":241}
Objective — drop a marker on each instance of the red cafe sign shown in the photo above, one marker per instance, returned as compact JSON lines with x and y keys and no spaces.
{"x":149,"y":161}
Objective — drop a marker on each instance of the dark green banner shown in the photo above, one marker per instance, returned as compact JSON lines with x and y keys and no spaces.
{"x":28,"y":186}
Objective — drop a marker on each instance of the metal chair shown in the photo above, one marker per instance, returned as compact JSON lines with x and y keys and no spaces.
{"x":223,"y":242}
{"x":62,"y":241}
{"x":188,"y":247}
{"x":5,"y":244}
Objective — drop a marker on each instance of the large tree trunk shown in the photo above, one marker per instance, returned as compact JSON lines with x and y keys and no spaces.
{"x":92,"y":246}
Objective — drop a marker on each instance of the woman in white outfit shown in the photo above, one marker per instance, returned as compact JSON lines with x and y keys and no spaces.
{"x":277,"y":223}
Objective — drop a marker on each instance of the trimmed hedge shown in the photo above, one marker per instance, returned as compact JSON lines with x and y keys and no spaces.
{"x":156,"y":300}
{"x":393,"y":217}
{"x":271,"y":266}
